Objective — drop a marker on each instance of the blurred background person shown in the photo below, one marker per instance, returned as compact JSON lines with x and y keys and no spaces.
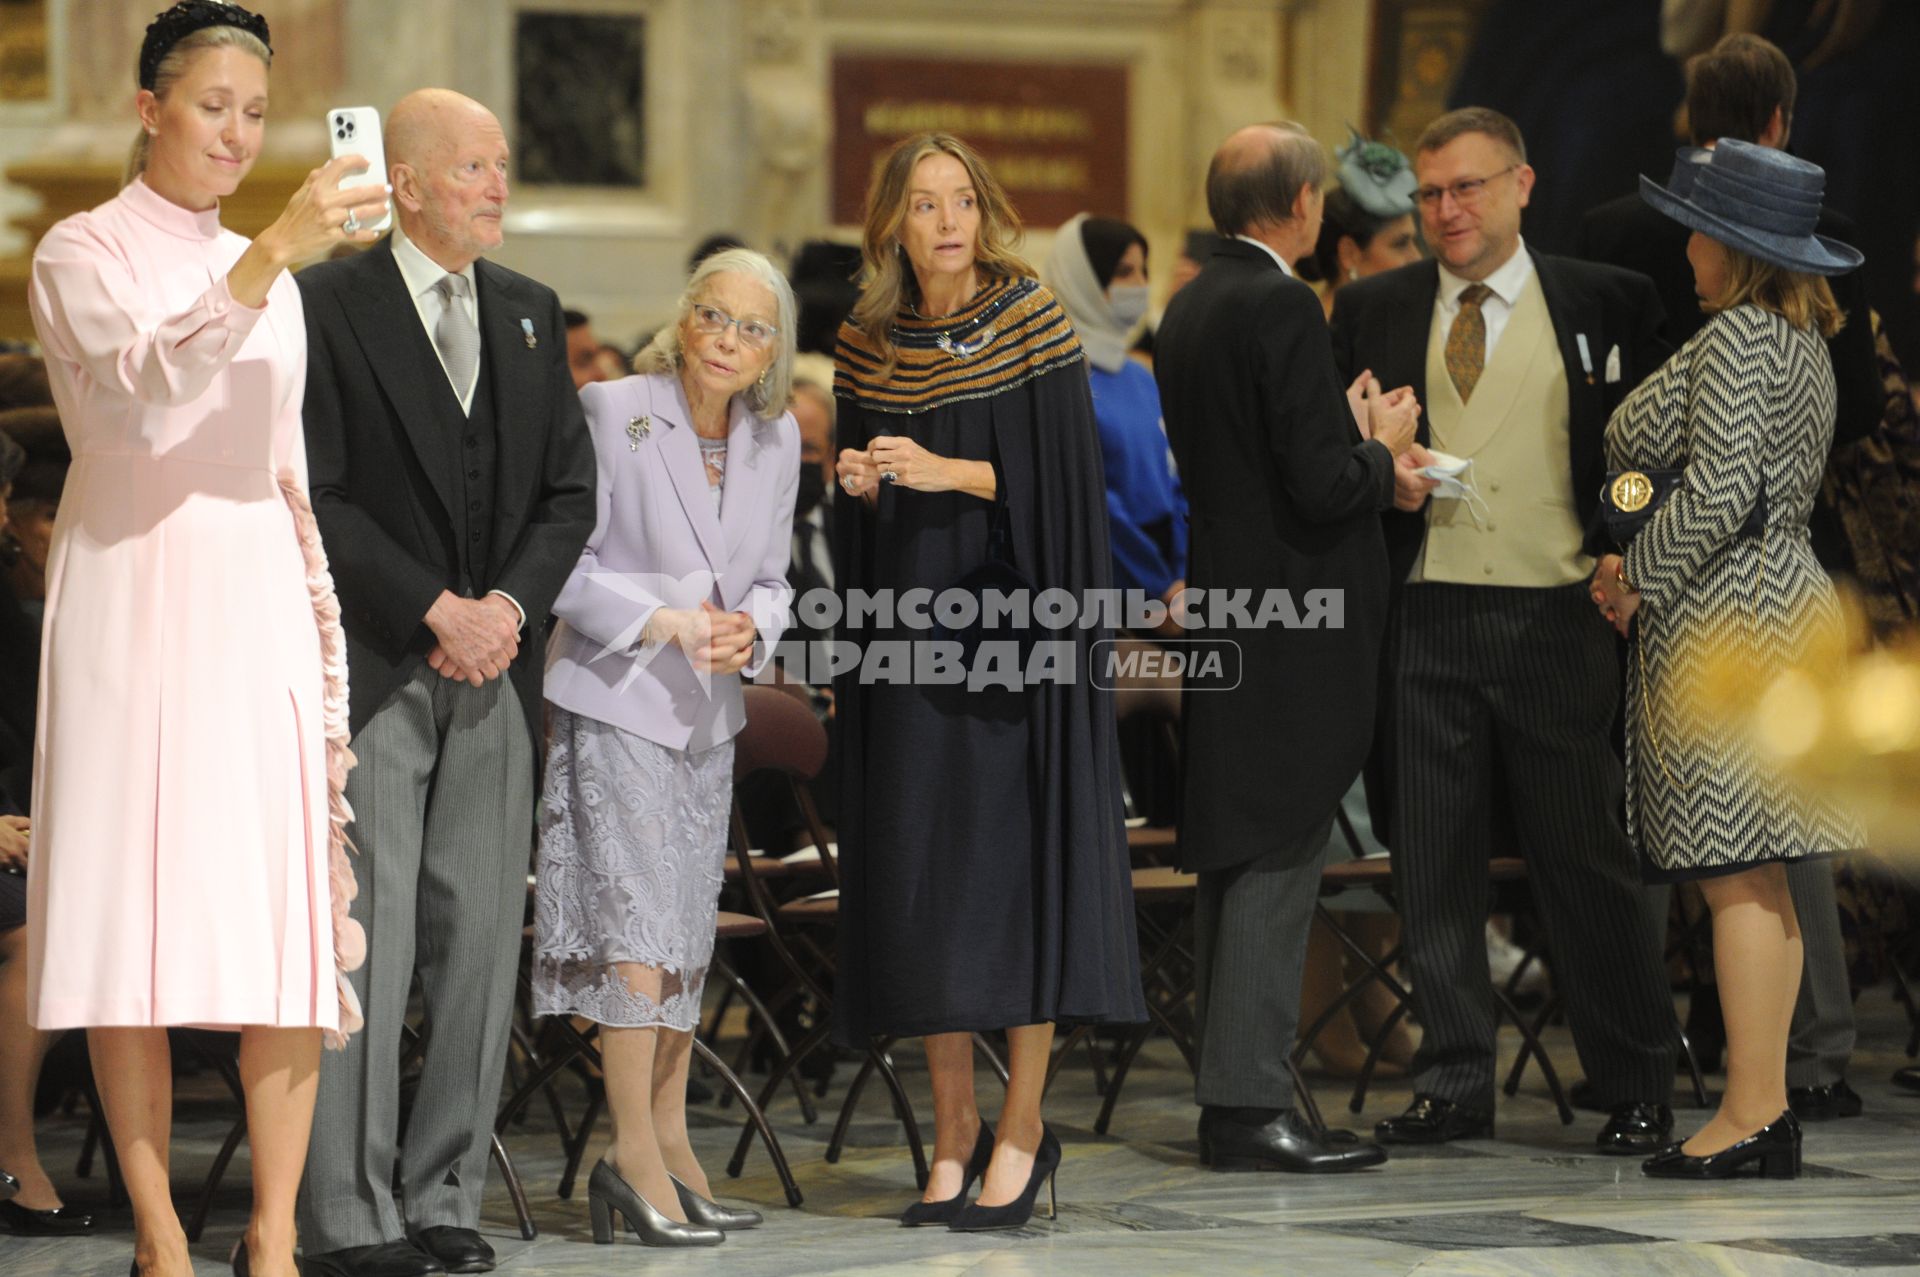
{"x":36,"y":503}
{"x":1746,"y":408}
{"x":964,"y":405}
{"x":23,"y":381}
{"x":644,"y":695}
{"x":1098,"y":271}
{"x":1367,"y":225}
{"x":583,"y":351}
{"x":188,"y":651}
{"x":30,"y":1205}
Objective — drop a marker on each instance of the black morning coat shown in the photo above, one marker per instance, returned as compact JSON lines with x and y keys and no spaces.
{"x":1283,"y":495}
{"x":384,"y":465}
{"x":1382,"y":323}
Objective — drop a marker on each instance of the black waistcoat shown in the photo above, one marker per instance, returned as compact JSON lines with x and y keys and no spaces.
{"x":473,"y":476}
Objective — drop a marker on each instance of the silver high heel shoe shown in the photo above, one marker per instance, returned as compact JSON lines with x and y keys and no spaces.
{"x":710,"y":1214}
{"x":609,"y":1195}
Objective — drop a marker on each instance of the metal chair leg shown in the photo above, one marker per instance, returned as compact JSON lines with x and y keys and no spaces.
{"x":519,"y":1195}
{"x":756,"y":1118}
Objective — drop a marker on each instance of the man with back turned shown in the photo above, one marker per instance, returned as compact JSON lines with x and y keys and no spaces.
{"x":1284,"y":494}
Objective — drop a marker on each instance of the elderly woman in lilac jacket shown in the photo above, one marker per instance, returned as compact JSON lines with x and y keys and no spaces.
{"x":680,"y":591}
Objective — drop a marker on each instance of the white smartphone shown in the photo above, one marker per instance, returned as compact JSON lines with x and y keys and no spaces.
{"x":355,"y":130}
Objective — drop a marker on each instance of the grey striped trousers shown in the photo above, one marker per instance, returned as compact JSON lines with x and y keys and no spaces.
{"x":1523,"y":684}
{"x":443,"y":817}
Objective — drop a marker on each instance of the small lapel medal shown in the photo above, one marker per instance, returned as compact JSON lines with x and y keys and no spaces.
{"x":638,"y":428}
{"x":526,"y":326}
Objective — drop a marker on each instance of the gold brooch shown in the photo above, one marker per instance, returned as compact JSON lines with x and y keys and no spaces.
{"x":1631,"y":492}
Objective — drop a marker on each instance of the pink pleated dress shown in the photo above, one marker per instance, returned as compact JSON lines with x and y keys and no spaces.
{"x":188,"y":864}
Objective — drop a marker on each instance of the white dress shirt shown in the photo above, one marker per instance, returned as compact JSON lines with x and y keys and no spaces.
{"x":1506,"y":283}
{"x":421,"y":273}
{"x":1268,"y":250}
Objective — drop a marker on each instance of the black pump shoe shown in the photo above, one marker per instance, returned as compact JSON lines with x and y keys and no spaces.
{"x":1774,"y":1150}
{"x":61,"y":1221}
{"x":1046,"y":1165}
{"x":921,"y":1214}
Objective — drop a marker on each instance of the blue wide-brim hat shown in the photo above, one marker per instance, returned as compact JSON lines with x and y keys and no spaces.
{"x":1763,"y":202}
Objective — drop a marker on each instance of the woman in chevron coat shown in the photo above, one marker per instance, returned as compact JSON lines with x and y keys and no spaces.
{"x":1723,"y":571}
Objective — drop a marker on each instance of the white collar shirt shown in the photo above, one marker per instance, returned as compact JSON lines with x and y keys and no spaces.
{"x":420,"y":274}
{"x":1279,"y":261}
{"x":1505,"y":285}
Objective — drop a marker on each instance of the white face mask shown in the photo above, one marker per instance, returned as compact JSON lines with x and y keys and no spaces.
{"x":1129,"y":303}
{"x":1455,"y":477}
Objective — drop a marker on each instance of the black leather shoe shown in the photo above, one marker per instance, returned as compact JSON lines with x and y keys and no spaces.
{"x":1635,"y":1129}
{"x":1235,"y":1139}
{"x":1908,"y":1079}
{"x":58,"y":1222}
{"x":384,"y":1259}
{"x":8,"y":1186}
{"x":1432,"y":1120}
{"x":1824,"y":1103}
{"x":1774,"y":1150}
{"x":459,"y":1250}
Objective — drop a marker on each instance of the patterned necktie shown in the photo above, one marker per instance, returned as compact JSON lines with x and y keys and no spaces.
{"x":1467,"y":341}
{"x":456,"y":336}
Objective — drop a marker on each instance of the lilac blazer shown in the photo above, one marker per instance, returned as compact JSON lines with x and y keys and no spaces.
{"x":658,"y":542}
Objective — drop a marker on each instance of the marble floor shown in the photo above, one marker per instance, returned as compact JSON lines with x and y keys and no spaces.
{"x":1536,"y":1200}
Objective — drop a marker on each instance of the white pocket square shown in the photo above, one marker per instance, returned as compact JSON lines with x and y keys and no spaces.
{"x":1613,"y":365}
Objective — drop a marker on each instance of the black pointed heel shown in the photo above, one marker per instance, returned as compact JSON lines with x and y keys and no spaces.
{"x":609,"y":1195}
{"x":1773,"y":1151}
{"x":1015,"y":1214}
{"x":921,"y":1214}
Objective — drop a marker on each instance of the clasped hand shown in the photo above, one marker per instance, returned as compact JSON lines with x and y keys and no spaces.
{"x":716,"y":642}
{"x":910,"y":466}
{"x":478,"y":638}
{"x":1617,"y":603}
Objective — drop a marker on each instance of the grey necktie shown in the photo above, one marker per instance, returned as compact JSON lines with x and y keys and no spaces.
{"x":455,"y":334}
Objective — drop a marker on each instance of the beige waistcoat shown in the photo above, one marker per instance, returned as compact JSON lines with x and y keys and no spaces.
{"x":1515,"y":433}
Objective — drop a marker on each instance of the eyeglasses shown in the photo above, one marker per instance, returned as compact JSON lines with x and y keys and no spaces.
{"x":1466,"y":193}
{"x":757,"y":333}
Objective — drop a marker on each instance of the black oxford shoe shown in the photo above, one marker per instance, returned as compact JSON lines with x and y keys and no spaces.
{"x":1824,"y":1103}
{"x":1635,"y":1129}
{"x":384,"y":1259}
{"x":1432,"y":1120}
{"x":1238,"y":1139}
{"x":459,"y":1250}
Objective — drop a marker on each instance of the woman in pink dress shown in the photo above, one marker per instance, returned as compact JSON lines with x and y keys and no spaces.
{"x":188,"y":865}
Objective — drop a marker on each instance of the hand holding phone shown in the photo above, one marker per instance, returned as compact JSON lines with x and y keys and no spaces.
{"x":355,"y":130}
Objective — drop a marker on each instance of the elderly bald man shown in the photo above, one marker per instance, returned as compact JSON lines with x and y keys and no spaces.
{"x":453,"y":480}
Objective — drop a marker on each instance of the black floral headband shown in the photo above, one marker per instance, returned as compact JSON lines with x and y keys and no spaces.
{"x":176,"y":24}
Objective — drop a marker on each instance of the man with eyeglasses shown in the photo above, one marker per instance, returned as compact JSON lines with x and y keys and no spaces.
{"x":1500,"y":685}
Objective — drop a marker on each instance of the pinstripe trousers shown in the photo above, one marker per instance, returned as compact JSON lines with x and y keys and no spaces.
{"x":1527,"y":679}
{"x":443,"y":818}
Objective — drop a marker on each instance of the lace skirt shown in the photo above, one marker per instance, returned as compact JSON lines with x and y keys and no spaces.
{"x":633,"y":846}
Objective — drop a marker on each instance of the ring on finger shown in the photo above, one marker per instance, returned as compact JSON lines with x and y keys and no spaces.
{"x":889,"y":476}
{"x":352,"y":223}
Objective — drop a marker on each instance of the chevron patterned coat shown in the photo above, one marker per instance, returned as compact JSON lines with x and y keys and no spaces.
{"x":1747,"y":408}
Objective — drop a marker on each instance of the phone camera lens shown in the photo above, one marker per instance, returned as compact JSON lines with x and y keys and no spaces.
{"x":341,"y":134}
